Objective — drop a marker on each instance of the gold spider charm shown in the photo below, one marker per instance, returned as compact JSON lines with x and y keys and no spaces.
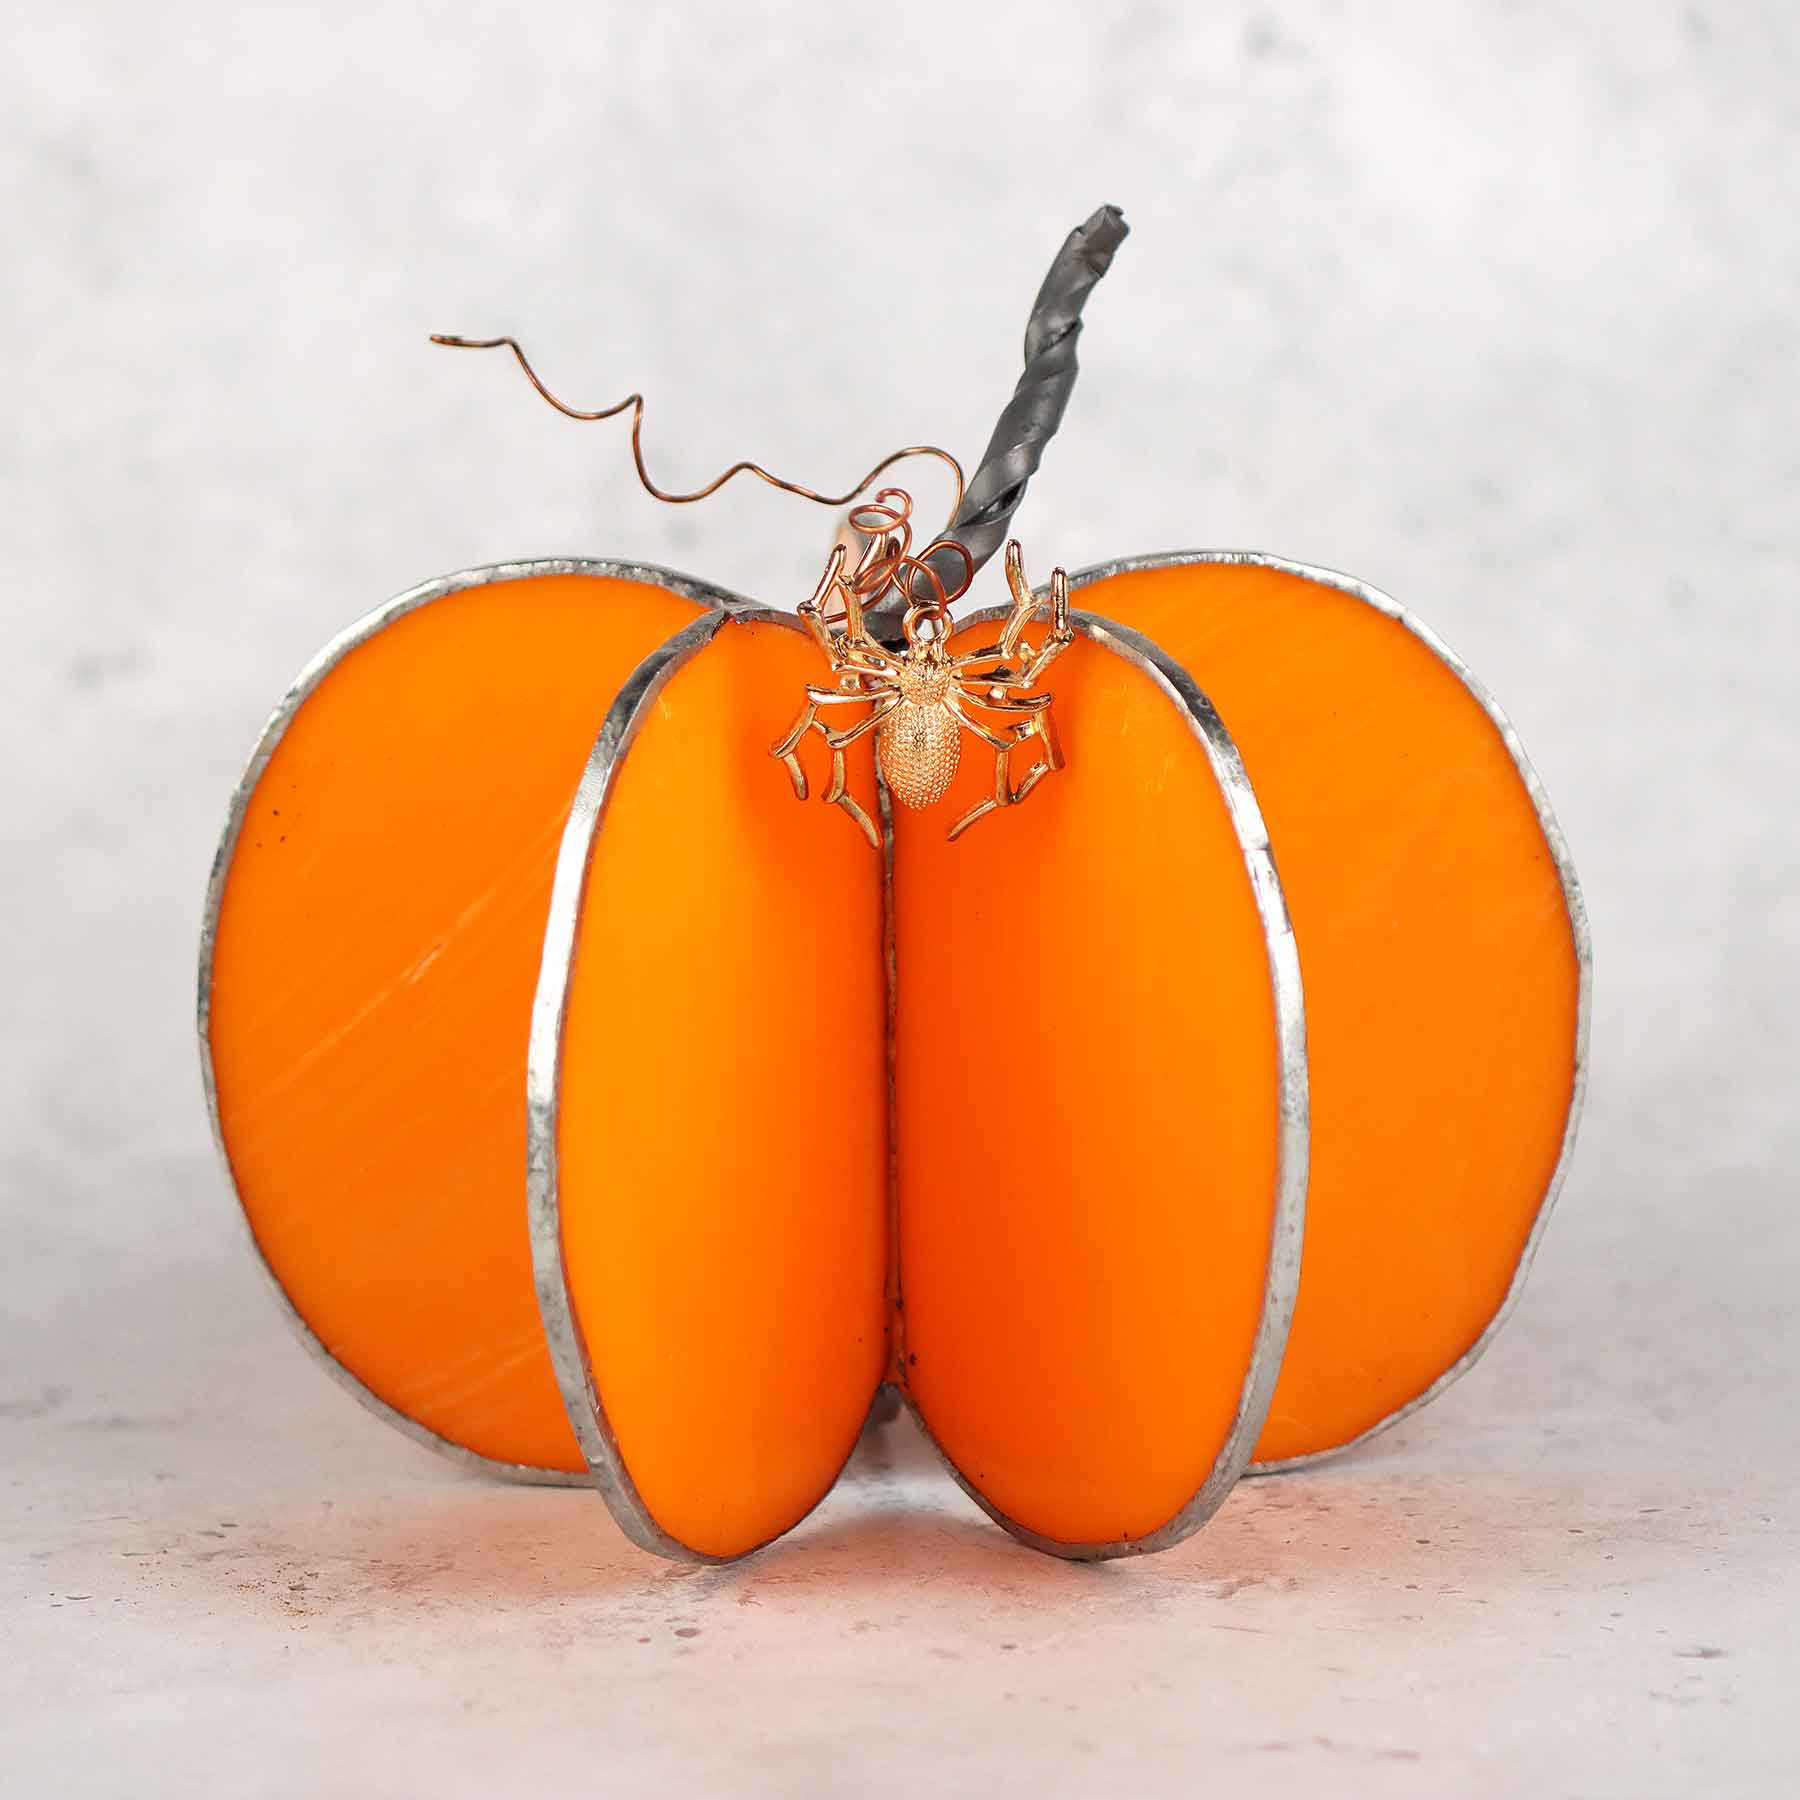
{"x":920,"y":698}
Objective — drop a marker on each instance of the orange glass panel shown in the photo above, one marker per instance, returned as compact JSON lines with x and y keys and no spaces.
{"x":1087,"y":1117}
{"x":1087,"y":1099}
{"x":723,"y":1121}
{"x":376,"y":953}
{"x":1439,"y":963}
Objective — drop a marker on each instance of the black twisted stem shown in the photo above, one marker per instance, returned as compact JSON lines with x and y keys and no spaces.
{"x":1036,"y":408}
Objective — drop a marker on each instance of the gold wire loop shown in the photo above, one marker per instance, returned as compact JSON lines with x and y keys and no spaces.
{"x":888,"y":510}
{"x":923,"y":564}
{"x":916,"y":621}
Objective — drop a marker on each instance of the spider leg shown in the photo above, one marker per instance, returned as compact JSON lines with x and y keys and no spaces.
{"x":871,"y":658}
{"x":848,"y":654}
{"x":882,"y":706}
{"x":1030,"y":674}
{"x":853,"y":607}
{"x":1006,"y":792}
{"x":1024,"y":601}
{"x":1047,"y":653}
{"x":813,"y":610}
{"x":968,"y":670}
{"x":852,"y":649}
{"x":987,"y":653}
{"x":1027,"y":675}
{"x":1060,"y":636}
{"x":958,"y":704}
{"x":1007,"y":703}
{"x":821,"y":695}
{"x":1042,"y":727}
{"x":837,"y":793}
{"x":786,"y":752}
{"x":1033,"y":663}
{"x":1001,"y":677}
{"x":1000,"y":797}
{"x":866,"y":671}
{"x":821,"y":633}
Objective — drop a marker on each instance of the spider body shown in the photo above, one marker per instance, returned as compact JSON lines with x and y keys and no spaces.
{"x":920,"y":741}
{"x":919,"y":698}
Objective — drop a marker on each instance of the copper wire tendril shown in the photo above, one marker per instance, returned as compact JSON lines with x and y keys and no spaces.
{"x":636,"y":403}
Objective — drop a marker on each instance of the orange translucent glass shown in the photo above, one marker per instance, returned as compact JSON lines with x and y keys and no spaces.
{"x":1086,"y":1123}
{"x":723,"y":1141}
{"x":373,"y":969}
{"x":1439,"y":963}
{"x":1087,"y":1117}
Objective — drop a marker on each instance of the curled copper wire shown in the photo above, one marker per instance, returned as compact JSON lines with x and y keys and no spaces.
{"x":636,"y":404}
{"x":887,"y":563}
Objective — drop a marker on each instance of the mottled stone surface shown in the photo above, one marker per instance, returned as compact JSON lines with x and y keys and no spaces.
{"x":1490,"y":304}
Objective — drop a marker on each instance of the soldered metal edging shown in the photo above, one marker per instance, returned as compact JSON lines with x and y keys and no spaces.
{"x":704,"y":594}
{"x":711,"y":597}
{"x":574,"y":1373}
{"x":567,"y":1343}
{"x":1288,"y":1210}
{"x":1572,"y":899}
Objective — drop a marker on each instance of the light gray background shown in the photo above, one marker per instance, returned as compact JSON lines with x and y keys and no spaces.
{"x":1493,"y":305}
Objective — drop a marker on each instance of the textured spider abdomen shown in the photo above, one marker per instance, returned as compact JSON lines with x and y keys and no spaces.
{"x":918,"y":744}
